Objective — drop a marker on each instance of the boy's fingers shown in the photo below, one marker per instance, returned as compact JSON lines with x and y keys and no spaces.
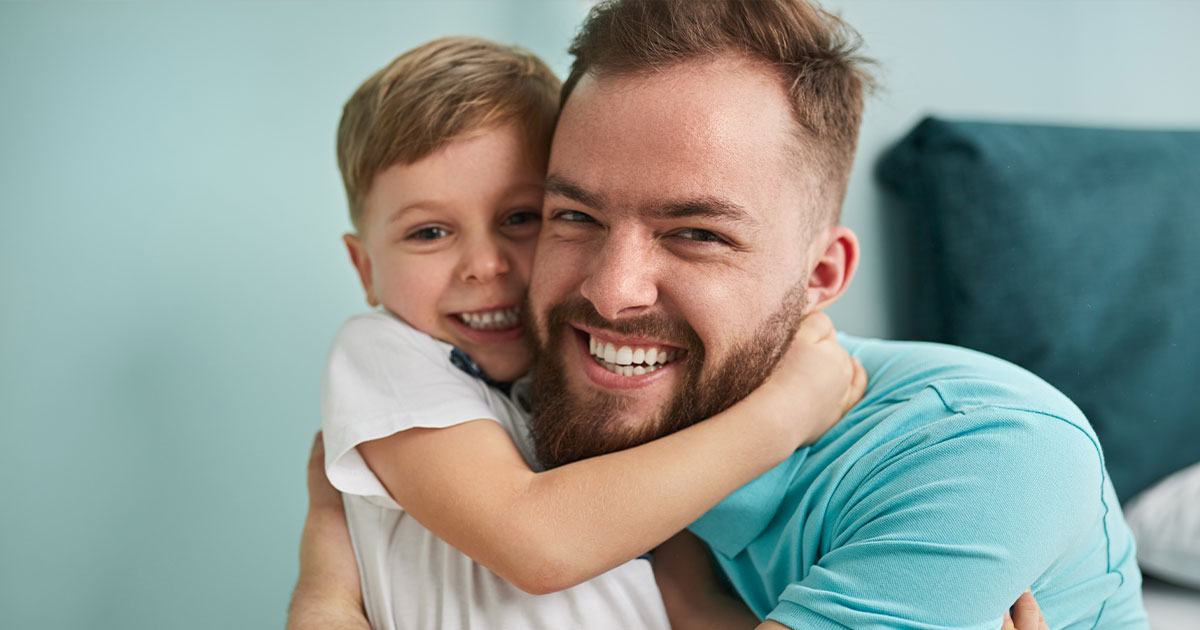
{"x":815,"y":327}
{"x":1008,"y":622}
{"x":822,"y":325}
{"x":858,"y":385}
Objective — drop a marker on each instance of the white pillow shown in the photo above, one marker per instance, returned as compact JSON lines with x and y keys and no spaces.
{"x":1165,"y":520}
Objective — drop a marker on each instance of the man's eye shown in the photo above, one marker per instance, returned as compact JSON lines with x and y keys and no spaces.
{"x":428,"y":234}
{"x":522,"y":217}
{"x":702,"y":236}
{"x":573,"y":216}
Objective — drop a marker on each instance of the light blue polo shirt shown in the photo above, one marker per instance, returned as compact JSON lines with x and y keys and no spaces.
{"x":958,"y":482}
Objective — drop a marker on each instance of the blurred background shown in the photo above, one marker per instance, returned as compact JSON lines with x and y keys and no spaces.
{"x":171,"y":270}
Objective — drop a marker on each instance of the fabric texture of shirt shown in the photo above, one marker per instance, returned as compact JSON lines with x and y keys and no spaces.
{"x":384,"y":377}
{"x":955,"y":484}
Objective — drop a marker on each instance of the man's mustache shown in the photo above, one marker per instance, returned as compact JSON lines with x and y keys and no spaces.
{"x":658,"y":326}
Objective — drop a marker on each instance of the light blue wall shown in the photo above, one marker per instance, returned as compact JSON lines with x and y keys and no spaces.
{"x":170,"y":270}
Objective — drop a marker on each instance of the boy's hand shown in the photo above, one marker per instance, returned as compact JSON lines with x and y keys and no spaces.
{"x":816,"y":376}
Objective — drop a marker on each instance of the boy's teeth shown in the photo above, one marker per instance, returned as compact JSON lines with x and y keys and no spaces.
{"x":492,"y":320}
{"x":627,"y":360}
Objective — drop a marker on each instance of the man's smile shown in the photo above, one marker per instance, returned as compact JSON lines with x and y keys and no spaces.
{"x":619,"y":362}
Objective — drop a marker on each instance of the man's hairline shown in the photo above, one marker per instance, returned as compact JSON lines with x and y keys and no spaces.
{"x":800,"y":143}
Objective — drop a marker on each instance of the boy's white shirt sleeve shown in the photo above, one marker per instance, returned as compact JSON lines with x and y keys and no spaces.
{"x":384,"y":377}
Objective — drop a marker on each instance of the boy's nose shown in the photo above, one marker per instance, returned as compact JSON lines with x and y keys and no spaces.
{"x":482,"y":261}
{"x":623,"y":279}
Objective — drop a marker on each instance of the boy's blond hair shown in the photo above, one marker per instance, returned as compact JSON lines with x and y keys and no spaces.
{"x":435,"y":93}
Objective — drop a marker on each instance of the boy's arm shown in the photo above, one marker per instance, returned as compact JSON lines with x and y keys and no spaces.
{"x":545,"y":532}
{"x":328,"y":595}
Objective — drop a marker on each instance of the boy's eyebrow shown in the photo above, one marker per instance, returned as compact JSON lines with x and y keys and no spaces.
{"x":561,"y":186}
{"x":406,"y":208}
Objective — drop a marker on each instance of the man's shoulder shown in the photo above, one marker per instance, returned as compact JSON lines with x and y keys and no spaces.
{"x":961,"y":380}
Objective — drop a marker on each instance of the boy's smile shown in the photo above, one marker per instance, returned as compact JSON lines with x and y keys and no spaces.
{"x":490,"y":325}
{"x":447,"y":244}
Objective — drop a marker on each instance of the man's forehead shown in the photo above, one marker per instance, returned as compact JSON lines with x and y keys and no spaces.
{"x":669,"y":144}
{"x":699,"y":98}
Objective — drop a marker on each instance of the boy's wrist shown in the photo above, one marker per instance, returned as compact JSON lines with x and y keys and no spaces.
{"x":765,"y":406}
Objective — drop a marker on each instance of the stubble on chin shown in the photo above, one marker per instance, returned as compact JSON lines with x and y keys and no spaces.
{"x":567,"y":426}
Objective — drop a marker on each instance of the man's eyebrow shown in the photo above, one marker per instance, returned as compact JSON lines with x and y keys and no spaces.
{"x":561,"y":186}
{"x":701,"y":207}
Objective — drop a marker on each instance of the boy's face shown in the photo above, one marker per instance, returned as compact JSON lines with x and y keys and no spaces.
{"x":447,"y":244}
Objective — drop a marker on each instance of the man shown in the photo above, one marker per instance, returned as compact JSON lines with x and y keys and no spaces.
{"x":692,"y":201}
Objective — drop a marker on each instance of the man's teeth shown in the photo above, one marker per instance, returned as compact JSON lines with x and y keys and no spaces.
{"x":629,"y":361}
{"x":492,"y":320}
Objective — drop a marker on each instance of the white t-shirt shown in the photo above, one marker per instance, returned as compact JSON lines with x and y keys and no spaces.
{"x":383,"y":377}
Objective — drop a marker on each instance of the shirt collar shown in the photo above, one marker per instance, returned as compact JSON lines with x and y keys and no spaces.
{"x":464,"y":362}
{"x":731,"y":525}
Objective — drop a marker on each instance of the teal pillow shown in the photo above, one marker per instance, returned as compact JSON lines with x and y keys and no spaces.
{"x":1072,"y":252}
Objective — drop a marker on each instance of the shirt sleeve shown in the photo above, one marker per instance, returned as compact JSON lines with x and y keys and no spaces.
{"x":383,"y":377}
{"x":948,"y":527}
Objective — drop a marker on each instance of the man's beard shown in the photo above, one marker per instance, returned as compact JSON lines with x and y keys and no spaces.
{"x":567,"y":428}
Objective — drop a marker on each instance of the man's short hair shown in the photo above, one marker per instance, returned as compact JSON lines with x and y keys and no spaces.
{"x":438,"y":92}
{"x":812,"y":52}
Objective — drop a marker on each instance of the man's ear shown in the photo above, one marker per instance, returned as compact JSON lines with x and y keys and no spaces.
{"x":834,"y":269}
{"x":362,"y":264}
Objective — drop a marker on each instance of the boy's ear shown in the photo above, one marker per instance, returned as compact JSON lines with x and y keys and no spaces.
{"x":362,"y":264}
{"x":834,"y":270}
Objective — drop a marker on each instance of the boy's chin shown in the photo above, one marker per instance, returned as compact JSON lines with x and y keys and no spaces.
{"x":506,"y":365}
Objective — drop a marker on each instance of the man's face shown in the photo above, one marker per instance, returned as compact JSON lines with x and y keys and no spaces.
{"x":673,"y":263}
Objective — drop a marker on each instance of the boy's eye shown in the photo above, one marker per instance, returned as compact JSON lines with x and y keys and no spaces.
{"x":702,"y":236}
{"x":522,"y":217}
{"x":429,"y":234}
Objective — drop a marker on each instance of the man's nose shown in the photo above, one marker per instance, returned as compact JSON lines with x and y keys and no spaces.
{"x":623,"y":278}
{"x":482,"y":260}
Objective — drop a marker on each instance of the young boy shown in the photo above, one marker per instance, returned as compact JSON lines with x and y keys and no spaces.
{"x":453,"y":524}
